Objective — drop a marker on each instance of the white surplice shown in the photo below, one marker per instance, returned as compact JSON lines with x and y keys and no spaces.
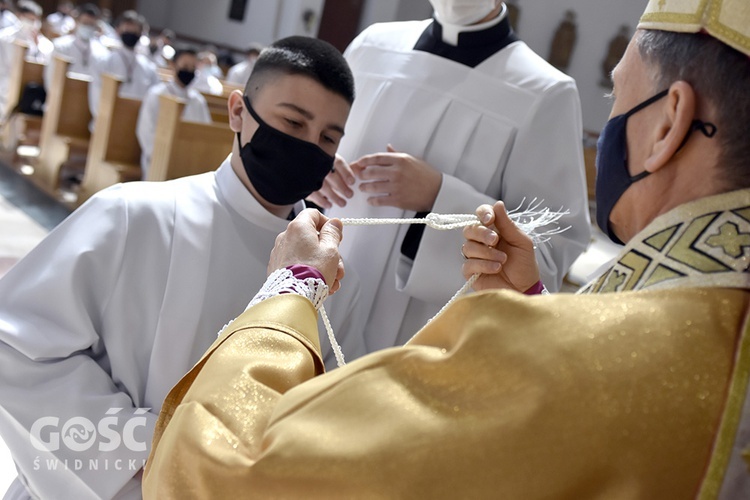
{"x":116,"y":305}
{"x":508,"y":129}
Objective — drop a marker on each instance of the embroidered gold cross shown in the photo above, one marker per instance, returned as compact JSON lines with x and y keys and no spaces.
{"x":615,"y":281}
{"x":730,"y":239}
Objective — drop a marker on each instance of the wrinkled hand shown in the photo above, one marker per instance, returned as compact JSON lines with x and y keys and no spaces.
{"x":398,"y":180}
{"x":499,"y":251}
{"x":311,"y":239}
{"x":335,"y":186}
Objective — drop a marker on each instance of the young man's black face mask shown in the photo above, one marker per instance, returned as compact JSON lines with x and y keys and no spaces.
{"x":282,"y":168}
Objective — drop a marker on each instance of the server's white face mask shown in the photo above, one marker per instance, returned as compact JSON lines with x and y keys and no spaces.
{"x":462,"y":12}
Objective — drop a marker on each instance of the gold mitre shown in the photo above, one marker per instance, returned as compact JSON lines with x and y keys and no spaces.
{"x":725,"y":20}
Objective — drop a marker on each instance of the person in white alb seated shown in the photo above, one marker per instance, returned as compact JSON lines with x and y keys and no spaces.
{"x":82,"y":47}
{"x":61,"y":22}
{"x":451,"y":113}
{"x":240,"y":72}
{"x":106,"y":314}
{"x":26,"y":31}
{"x":196,"y":108}
{"x":137,"y":72}
{"x":208,"y":74}
{"x":7,"y":17}
{"x":161,"y":48}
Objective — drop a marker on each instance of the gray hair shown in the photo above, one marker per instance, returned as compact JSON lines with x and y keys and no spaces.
{"x":720,"y":75}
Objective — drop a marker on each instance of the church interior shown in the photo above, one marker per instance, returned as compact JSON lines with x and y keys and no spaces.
{"x":52,"y":160}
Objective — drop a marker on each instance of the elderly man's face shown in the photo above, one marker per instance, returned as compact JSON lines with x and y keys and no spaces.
{"x":633,"y":85}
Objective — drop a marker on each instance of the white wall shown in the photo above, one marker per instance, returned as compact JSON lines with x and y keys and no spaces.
{"x":265,"y":20}
{"x":414,"y":9}
{"x":598,"y":22}
{"x":156,"y":12}
{"x":382,"y":11}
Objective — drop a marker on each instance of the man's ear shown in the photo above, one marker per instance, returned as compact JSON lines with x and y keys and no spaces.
{"x":235,"y":107}
{"x":675,"y":123}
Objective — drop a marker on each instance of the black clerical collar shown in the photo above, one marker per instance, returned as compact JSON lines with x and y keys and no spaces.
{"x":473,"y":46}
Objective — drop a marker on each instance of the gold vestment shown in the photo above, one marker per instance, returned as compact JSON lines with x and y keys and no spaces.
{"x":627,"y":395}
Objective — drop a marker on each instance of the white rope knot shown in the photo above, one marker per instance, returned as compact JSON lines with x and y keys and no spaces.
{"x":444,"y":222}
{"x":529,"y":220}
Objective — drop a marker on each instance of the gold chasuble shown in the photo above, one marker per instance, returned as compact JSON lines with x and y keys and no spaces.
{"x":629,"y":395}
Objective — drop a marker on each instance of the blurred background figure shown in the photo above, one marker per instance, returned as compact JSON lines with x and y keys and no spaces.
{"x":27,"y":31}
{"x":62,"y":21}
{"x":240,"y":72}
{"x":7,"y":17}
{"x":82,"y":46}
{"x":161,"y":49}
{"x":138,"y":72}
{"x":208,"y":74}
{"x":184,"y":65}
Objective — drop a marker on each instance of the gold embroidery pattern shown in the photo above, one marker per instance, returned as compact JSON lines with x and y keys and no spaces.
{"x":708,"y":16}
{"x":715,"y":245}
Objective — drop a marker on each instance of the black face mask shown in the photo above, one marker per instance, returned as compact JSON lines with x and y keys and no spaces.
{"x":185,"y":76}
{"x":282,"y":168}
{"x":612,"y":175}
{"x":130,"y":39}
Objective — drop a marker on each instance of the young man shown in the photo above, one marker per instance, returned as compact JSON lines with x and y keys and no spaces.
{"x":631,"y":395}
{"x":196,"y":109}
{"x":136,"y":70}
{"x":452,"y":112}
{"x":106,"y":314}
{"x":82,"y":47}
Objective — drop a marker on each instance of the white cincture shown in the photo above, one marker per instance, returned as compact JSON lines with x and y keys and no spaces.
{"x":283,"y":280}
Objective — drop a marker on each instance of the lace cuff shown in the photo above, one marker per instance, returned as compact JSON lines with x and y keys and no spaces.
{"x":284,"y":281}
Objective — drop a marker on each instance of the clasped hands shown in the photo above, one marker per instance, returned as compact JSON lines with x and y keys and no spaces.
{"x":497,"y":250}
{"x":389,"y":179}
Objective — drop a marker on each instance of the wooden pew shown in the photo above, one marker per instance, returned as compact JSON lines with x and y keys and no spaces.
{"x":114,"y":152}
{"x":217,"y":104}
{"x":185,"y":148}
{"x":165,"y":74}
{"x":65,"y":125}
{"x":22,"y":72}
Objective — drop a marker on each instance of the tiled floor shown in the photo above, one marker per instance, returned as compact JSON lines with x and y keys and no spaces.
{"x":26,"y":215}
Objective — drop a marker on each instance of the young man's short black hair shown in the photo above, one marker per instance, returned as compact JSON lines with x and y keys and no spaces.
{"x":299,"y":55}
{"x":184,"y":49}
{"x":89,"y":9}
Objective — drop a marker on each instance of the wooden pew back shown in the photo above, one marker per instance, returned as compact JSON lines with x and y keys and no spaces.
{"x":65,"y":124}
{"x":185,"y":148}
{"x":114,"y":154}
{"x":217,"y":106}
